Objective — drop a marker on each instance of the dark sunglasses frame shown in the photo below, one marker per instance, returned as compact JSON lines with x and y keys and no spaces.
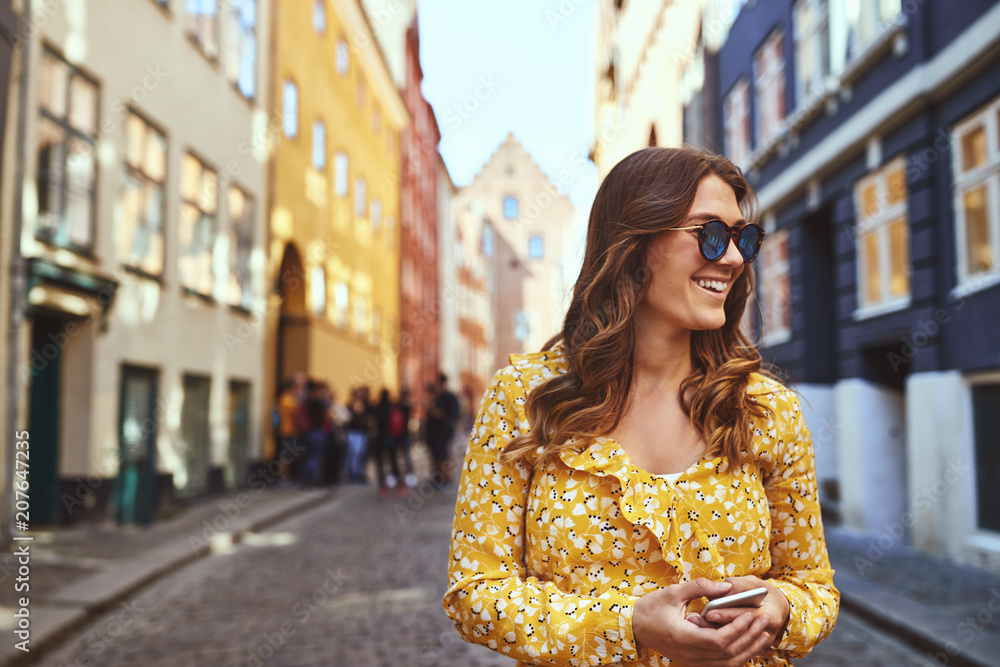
{"x":732,"y":233}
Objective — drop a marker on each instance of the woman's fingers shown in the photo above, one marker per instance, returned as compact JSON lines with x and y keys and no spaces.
{"x":735,"y":643}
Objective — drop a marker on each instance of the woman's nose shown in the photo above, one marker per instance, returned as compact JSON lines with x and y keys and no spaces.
{"x":732,"y":257}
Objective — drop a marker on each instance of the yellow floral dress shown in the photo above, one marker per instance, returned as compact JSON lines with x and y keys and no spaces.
{"x":546,"y":566}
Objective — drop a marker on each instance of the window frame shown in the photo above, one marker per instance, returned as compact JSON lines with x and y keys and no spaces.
{"x":343,"y":57}
{"x":139,"y":174}
{"x":509,"y":214}
{"x":64,"y":123}
{"x":197,"y":205}
{"x":769,"y":90}
{"x":289,"y":120}
{"x":771,"y":276}
{"x":733,"y":123}
{"x":360,"y":197}
{"x":341,"y":174}
{"x":880,"y":223}
{"x":319,"y":17}
{"x":232,"y":15}
{"x":986,"y":175}
{"x":540,"y":245}
{"x":807,"y":40}
{"x":246,"y":299}
{"x":318,"y":152}
{"x":210,"y":51}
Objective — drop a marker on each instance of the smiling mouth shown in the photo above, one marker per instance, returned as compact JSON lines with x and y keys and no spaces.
{"x":713,"y":286}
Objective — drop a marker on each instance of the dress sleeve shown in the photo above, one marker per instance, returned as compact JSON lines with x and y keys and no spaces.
{"x":491,"y":598}
{"x":800,"y":566}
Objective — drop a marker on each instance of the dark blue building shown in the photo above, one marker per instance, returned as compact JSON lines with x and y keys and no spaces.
{"x":871,"y":133}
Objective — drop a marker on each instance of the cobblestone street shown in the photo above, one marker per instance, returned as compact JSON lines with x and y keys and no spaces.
{"x":356,"y":581}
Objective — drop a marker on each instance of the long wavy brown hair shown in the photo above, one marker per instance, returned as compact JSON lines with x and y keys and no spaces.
{"x":647,"y":192}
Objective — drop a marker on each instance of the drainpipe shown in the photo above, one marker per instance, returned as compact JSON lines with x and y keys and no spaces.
{"x":18,"y":281}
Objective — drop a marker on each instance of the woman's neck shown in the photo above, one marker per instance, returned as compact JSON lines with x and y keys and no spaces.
{"x":662,"y":359}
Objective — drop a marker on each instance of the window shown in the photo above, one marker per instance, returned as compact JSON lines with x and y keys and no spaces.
{"x":317,"y":291}
{"x":341,"y":173}
{"x":376,"y":214}
{"x":196,"y":230}
{"x":319,"y":145}
{"x":866,"y":21}
{"x":775,"y":289}
{"x":769,"y":89}
{"x":361,"y":92}
{"x":241,"y":62}
{"x":362,"y":326}
{"x":536,"y":249}
{"x":140,"y":215}
{"x":522,"y":326}
{"x":737,"y":122}
{"x":986,"y":424}
{"x":319,"y":16}
{"x":487,"y":242}
{"x":510,"y":207}
{"x":201,"y":23}
{"x":812,"y":53}
{"x":376,"y":120}
{"x":883,"y":238}
{"x":341,"y":303}
{"x":343,"y":57}
{"x":976,"y":165}
{"x":360,"y":198}
{"x":290,"y":109}
{"x":241,"y":221}
{"x":66,"y":178}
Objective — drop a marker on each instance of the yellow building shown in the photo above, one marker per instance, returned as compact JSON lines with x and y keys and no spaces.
{"x":334,"y":184}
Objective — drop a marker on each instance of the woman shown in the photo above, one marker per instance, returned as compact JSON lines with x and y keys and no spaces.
{"x":642,"y":462}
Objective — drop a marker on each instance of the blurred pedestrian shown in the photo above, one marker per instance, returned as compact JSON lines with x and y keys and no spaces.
{"x":319,"y":432}
{"x":358,"y":427}
{"x":404,"y":441}
{"x":340,"y":415}
{"x":390,"y":424}
{"x":286,"y":450}
{"x":442,"y":414}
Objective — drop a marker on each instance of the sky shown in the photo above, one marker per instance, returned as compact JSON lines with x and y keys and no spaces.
{"x":521,"y":66}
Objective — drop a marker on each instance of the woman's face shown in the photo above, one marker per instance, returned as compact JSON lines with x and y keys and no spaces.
{"x":686,"y":290}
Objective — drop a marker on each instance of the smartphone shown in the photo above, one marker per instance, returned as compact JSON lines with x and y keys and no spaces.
{"x":750,"y":598}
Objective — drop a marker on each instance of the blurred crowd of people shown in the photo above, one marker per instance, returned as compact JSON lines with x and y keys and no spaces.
{"x":323,"y":441}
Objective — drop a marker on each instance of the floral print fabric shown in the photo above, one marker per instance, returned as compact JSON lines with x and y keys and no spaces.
{"x":545,"y":566}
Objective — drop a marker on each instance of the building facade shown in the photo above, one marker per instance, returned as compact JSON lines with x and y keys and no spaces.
{"x":420,"y":307}
{"x":334,"y":234}
{"x":525,"y":230}
{"x":139,"y":372}
{"x":870,"y":133}
{"x":642,"y":51}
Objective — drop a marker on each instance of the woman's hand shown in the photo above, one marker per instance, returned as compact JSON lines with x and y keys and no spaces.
{"x":774,"y":608}
{"x":659,"y":624}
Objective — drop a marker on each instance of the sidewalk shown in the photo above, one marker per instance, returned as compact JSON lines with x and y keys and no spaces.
{"x":949,"y":611}
{"x":79,"y":572}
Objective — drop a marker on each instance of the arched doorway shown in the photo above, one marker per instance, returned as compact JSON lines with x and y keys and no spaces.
{"x":289,"y":284}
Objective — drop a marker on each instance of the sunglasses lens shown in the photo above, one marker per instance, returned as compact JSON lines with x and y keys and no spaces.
{"x":714,"y":239}
{"x":748,"y":242}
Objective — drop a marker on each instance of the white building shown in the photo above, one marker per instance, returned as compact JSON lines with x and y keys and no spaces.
{"x":140,"y":372}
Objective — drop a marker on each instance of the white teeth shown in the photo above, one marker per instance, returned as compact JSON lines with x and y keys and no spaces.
{"x":714,"y":285}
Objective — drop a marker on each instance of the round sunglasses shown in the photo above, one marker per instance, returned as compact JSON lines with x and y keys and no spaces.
{"x":714,"y":237}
